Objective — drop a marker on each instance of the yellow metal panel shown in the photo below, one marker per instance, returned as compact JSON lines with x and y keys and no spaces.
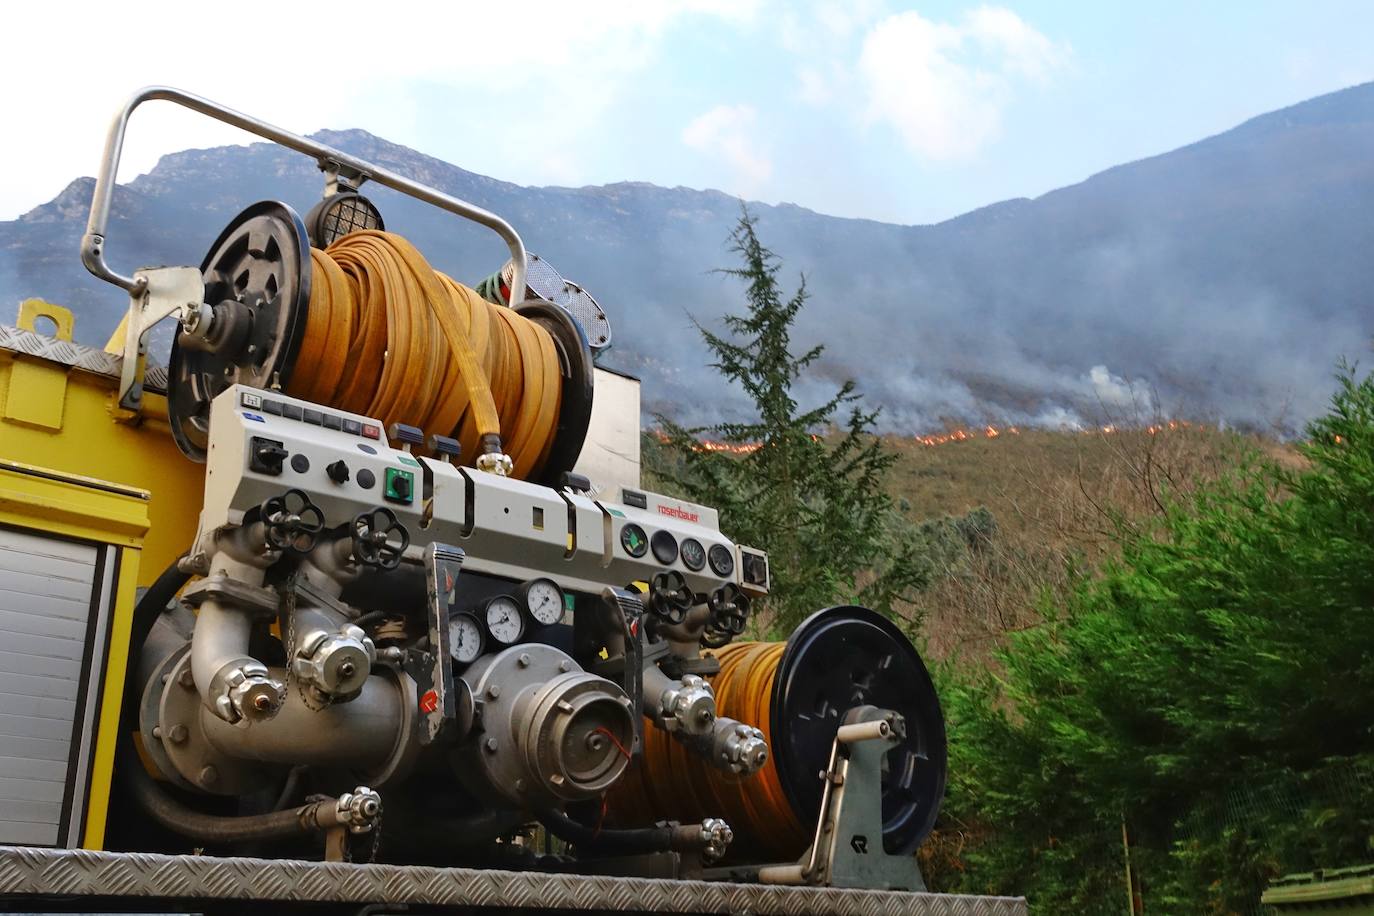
{"x":30,"y":310}
{"x":48,"y":500}
{"x":107,"y":728}
{"x":38,"y":388}
{"x":92,"y":444}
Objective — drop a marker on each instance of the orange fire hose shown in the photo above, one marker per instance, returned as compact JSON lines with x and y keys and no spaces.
{"x":685,"y":787}
{"x":387,"y":336}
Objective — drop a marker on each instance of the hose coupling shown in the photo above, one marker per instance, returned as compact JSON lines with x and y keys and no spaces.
{"x":716,"y":838}
{"x":246,"y":692}
{"x":689,"y":706}
{"x":741,"y":749}
{"x":496,"y":463}
{"x":709,"y":839}
{"x":359,"y":810}
{"x":335,"y":664}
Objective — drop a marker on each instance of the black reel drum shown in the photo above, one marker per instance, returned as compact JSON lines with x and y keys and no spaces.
{"x":850,"y":656}
{"x":257,"y":278}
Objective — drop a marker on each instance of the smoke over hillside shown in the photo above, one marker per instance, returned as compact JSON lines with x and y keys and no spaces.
{"x":1223,"y":279}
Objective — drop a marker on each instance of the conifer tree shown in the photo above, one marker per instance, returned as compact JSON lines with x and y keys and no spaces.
{"x":810,"y":491}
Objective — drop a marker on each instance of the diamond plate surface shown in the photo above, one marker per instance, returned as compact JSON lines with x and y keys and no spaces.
{"x":78,"y":356}
{"x":26,"y":872}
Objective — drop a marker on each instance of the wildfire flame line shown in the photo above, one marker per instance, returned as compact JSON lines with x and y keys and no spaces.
{"x":960,"y":434}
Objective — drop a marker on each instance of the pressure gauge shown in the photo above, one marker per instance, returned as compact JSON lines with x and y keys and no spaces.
{"x":505,"y":623}
{"x":693,"y":554}
{"x":465,"y":638}
{"x":543,"y":599}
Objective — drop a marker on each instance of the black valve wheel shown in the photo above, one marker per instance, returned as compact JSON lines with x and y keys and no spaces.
{"x":670,"y":597}
{"x":293,"y":523}
{"x":728,"y":613}
{"x":379,"y":538}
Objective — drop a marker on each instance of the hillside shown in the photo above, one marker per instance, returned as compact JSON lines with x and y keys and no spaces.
{"x":1053,"y":497}
{"x":1222,"y":279}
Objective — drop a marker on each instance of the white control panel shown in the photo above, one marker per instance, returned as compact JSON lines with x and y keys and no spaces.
{"x":263,"y":443}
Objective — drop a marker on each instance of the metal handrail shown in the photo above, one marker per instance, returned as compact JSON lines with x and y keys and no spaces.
{"x":93,"y":242}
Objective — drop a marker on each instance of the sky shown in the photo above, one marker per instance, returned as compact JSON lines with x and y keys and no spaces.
{"x":896,"y":111}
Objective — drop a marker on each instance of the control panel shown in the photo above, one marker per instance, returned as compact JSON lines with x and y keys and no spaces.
{"x":264,"y":443}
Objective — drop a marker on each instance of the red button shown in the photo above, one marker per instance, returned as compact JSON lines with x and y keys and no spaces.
{"x":429,"y":702}
{"x":372,"y":432}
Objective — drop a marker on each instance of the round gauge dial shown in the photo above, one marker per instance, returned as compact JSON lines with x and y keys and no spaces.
{"x":664,"y":546}
{"x":634,"y":540}
{"x":505,"y":623}
{"x":465,"y":638}
{"x":544,"y":600}
{"x":722,"y":560}
{"x":693,"y":554}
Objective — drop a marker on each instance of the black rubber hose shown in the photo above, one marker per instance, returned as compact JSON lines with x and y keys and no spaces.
{"x":206,"y":828}
{"x":641,"y":839}
{"x":166,"y":810}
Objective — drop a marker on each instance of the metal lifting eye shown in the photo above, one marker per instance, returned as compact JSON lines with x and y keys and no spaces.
{"x":379,"y":539}
{"x":293,"y":523}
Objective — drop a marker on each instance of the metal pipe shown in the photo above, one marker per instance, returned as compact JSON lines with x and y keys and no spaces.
{"x":93,"y":242}
{"x":361,"y":733}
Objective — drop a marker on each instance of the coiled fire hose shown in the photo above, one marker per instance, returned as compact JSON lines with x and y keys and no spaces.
{"x":388,"y":336}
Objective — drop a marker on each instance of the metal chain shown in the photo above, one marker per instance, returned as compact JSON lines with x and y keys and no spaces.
{"x":289,"y":608}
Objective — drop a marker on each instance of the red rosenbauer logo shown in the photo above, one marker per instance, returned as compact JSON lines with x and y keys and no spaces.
{"x":677,"y":512}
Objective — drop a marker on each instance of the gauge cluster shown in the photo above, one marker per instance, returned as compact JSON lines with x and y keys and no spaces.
{"x":503,"y":620}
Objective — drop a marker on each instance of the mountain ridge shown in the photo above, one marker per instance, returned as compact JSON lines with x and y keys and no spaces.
{"x":1223,"y":278}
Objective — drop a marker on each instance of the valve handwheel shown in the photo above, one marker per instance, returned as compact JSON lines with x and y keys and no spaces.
{"x":292,"y":521}
{"x":729,"y":609}
{"x":670,"y":597}
{"x":379,"y":538}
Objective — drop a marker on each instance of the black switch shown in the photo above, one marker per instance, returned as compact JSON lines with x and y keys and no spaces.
{"x":337,"y":471}
{"x":265,"y":455}
{"x":292,"y":411}
{"x":578,"y":483}
{"x":445,"y":446}
{"x":352,"y":427}
{"x":406,"y":435}
{"x":313,"y":417}
{"x":299,"y":463}
{"x":366,"y":479}
{"x":331,"y":421}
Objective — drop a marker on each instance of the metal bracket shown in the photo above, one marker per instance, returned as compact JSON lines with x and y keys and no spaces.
{"x":157,"y":293}
{"x":848,"y":847}
{"x":340,"y":177}
{"x":434,"y":672}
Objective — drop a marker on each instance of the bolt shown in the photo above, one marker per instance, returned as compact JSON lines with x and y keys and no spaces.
{"x":166,"y":677}
{"x":494,"y":691}
{"x":209,"y":775}
{"x":490,"y":745}
{"x":524,"y":660}
{"x":157,"y":731}
{"x":178,"y":734}
{"x":595,"y":742}
{"x":185,"y":679}
{"x":262,"y":702}
{"x":347,"y":669}
{"x":565,"y":666}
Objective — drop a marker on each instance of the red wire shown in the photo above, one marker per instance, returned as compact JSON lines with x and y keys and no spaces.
{"x":601,"y":818}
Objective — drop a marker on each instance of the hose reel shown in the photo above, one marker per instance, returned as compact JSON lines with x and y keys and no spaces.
{"x":260,"y":280}
{"x":798,"y":693}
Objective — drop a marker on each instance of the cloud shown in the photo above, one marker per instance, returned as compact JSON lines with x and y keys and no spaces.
{"x":458,"y":80}
{"x":943,"y":86}
{"x":727,"y":132}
